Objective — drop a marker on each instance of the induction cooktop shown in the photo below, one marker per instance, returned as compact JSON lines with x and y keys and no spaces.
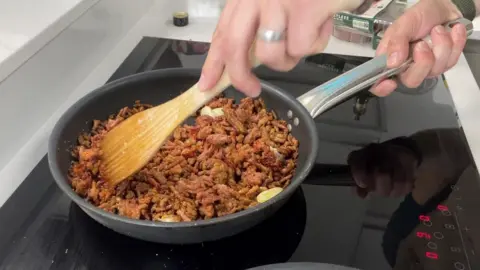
{"x":436,"y":226}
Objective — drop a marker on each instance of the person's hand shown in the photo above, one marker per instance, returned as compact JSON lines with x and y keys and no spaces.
{"x":425,"y":17}
{"x":307,"y":25}
{"x":387,"y":169}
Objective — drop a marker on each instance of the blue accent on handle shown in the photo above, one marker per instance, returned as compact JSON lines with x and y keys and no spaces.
{"x":360,"y":73}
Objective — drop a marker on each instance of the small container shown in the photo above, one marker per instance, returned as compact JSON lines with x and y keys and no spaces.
{"x":180,"y":18}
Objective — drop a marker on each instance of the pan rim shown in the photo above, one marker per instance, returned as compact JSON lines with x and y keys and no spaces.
{"x":63,"y":182}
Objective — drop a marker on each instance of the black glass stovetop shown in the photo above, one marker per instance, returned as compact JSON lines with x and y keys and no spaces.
{"x":433,"y":227}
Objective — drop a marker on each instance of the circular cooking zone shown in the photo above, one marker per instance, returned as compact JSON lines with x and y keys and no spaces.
{"x":274,"y":240}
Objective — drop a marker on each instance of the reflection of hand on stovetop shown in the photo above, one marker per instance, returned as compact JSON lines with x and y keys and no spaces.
{"x":423,"y":164}
{"x":387,"y":168}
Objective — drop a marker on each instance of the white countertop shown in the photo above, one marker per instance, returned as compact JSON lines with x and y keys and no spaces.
{"x":113,"y":50}
{"x":27,"y":25}
{"x":30,"y":17}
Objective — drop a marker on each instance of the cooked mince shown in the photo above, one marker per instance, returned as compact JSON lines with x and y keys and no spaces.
{"x":210,"y":169}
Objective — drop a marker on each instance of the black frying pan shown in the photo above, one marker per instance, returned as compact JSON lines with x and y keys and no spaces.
{"x":156,"y":87}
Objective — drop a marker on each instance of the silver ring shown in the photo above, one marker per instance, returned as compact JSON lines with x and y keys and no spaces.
{"x":271,"y":35}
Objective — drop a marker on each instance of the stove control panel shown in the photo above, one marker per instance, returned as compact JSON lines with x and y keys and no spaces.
{"x":449,"y":236}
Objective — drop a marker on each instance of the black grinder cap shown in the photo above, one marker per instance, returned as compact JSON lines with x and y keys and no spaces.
{"x":180,"y":18}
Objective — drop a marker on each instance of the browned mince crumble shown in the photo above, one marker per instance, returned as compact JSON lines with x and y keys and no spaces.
{"x":210,"y":169}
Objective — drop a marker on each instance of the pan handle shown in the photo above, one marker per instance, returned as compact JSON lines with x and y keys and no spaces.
{"x":330,"y":175}
{"x":329,"y":94}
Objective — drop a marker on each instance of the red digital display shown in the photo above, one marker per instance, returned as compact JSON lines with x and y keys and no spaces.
{"x":442,"y":207}
{"x":431,"y":255}
{"x":424,"y":218}
{"x":423,"y":235}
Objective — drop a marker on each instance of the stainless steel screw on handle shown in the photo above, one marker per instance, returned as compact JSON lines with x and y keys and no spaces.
{"x":327,"y":95}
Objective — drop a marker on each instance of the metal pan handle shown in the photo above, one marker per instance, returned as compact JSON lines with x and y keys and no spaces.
{"x":329,"y":94}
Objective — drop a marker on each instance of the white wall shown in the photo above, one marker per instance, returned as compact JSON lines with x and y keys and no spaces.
{"x":33,"y":92}
{"x":35,"y":23}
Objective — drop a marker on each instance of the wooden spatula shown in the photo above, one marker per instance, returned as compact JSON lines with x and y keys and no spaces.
{"x":129,"y":146}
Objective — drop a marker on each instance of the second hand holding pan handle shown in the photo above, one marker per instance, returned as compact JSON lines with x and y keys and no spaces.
{"x":329,"y":94}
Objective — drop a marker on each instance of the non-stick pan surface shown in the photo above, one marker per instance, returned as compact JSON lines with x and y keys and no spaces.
{"x":156,"y":87}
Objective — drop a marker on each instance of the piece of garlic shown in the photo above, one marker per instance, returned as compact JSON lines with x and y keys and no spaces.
{"x":206,"y":111}
{"x":277,"y":154}
{"x":170,"y":218}
{"x":268,"y":194}
{"x":217,"y":112}
{"x":211,"y":112}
